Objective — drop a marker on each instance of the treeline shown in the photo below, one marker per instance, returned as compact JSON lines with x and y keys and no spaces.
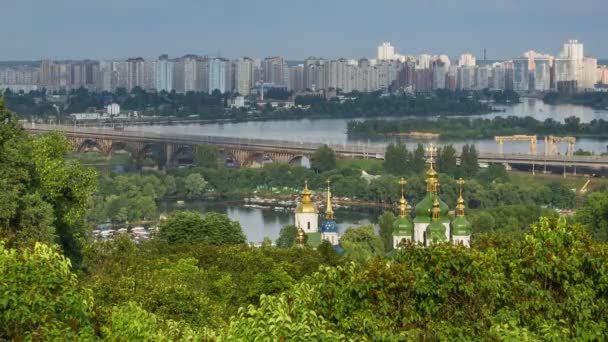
{"x":591,"y":99}
{"x":38,"y":104}
{"x":441,"y":102}
{"x":479,"y":128}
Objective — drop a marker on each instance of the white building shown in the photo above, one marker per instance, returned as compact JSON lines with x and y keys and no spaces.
{"x":386,"y":51}
{"x":217,"y":75}
{"x":467,"y":59}
{"x":521,"y":74}
{"x":242,"y":75}
{"x":466,"y":77}
{"x":164,"y":74}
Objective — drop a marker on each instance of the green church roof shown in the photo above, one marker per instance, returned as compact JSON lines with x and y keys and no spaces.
{"x":423,"y":209}
{"x":403,"y":226}
{"x":461,"y":226}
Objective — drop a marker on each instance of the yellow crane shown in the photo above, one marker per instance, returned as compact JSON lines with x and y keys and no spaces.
{"x":531,"y":138}
{"x":552,"y":141}
{"x":585,"y":187}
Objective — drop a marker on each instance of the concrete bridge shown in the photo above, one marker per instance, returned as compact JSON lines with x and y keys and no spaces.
{"x":171,"y":149}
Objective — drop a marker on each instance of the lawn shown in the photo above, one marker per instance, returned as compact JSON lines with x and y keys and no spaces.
{"x":527,"y":181}
{"x":361,"y":164}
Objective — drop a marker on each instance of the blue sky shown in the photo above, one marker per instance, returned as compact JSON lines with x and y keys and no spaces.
{"x":76,"y":29}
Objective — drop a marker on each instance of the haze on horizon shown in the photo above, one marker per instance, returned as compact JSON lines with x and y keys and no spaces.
{"x":73,"y":29}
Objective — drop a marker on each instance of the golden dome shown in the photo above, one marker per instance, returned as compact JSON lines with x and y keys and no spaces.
{"x":306,"y":206}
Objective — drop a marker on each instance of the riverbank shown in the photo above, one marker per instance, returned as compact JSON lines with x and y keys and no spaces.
{"x":596,"y":100}
{"x":478,"y":128}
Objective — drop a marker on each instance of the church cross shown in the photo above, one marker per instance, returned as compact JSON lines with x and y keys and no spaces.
{"x":431,"y":150}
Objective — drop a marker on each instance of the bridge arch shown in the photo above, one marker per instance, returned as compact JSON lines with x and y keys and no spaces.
{"x":257,"y":160}
{"x":92,"y":145}
{"x":299,"y":160}
{"x":182,"y":154}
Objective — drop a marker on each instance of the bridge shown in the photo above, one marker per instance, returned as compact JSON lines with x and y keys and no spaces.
{"x":247,"y":152}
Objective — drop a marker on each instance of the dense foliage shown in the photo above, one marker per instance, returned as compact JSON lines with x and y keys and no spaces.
{"x":192,"y":227}
{"x":479,"y":128}
{"x":552,"y":285}
{"x":43,"y":196}
{"x":592,"y":99}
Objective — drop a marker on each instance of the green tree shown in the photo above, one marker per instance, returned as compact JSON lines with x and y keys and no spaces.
{"x":446,"y":160}
{"x":469,"y":165}
{"x":328,"y":253}
{"x":593,"y":215}
{"x":324,"y":159}
{"x":195,"y":185}
{"x":385,"y":222}
{"x":482,"y":222}
{"x":40,"y":298}
{"x":191,"y":227}
{"x":418,"y":159}
{"x":396,"y":159}
{"x":207,"y":156}
{"x":287,"y":236}
{"x":362,"y":244}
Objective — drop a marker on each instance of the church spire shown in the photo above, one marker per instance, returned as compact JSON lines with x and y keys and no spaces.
{"x":329,"y":211}
{"x":431,"y":174}
{"x":402,"y":201}
{"x":460,"y":203}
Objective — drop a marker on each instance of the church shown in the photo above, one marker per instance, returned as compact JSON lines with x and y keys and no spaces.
{"x":431,"y":222}
{"x":307,"y":221}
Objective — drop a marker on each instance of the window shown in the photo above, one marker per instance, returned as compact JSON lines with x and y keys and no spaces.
{"x":308,"y":225}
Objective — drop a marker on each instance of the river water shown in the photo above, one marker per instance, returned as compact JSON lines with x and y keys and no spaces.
{"x":258,"y":223}
{"x":333,"y":131}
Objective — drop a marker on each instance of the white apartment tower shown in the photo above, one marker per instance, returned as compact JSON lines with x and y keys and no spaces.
{"x":467,"y":59}
{"x":386,"y":51}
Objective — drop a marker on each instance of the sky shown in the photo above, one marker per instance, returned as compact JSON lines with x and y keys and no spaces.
{"x":296,"y":29}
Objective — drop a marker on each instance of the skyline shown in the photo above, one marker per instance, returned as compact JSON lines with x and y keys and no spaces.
{"x":122,"y":29}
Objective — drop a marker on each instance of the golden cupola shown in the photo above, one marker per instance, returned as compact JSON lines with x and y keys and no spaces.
{"x":306,"y":205}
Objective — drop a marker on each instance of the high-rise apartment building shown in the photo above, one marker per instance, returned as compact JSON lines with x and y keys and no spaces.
{"x":467,"y":59}
{"x":521,"y":74}
{"x":216,"y":75}
{"x":273,"y":69}
{"x":242,"y":75}
{"x":164,"y":74}
{"x":386,"y":52}
{"x":466,"y":77}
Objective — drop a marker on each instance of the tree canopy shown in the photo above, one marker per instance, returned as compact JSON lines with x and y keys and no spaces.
{"x":192,"y":227}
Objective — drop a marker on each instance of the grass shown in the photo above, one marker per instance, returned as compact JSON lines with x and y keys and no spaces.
{"x":361,"y":164}
{"x":97,"y":159}
{"x":527,"y":181}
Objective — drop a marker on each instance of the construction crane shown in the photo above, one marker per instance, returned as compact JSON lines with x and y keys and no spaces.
{"x":585,"y":187}
{"x":552,"y":141}
{"x":530,"y":138}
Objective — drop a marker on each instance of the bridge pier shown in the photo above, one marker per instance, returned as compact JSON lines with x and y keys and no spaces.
{"x":169,"y":150}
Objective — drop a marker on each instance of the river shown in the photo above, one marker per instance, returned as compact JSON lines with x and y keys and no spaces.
{"x":333,"y":131}
{"x":259,"y":223}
